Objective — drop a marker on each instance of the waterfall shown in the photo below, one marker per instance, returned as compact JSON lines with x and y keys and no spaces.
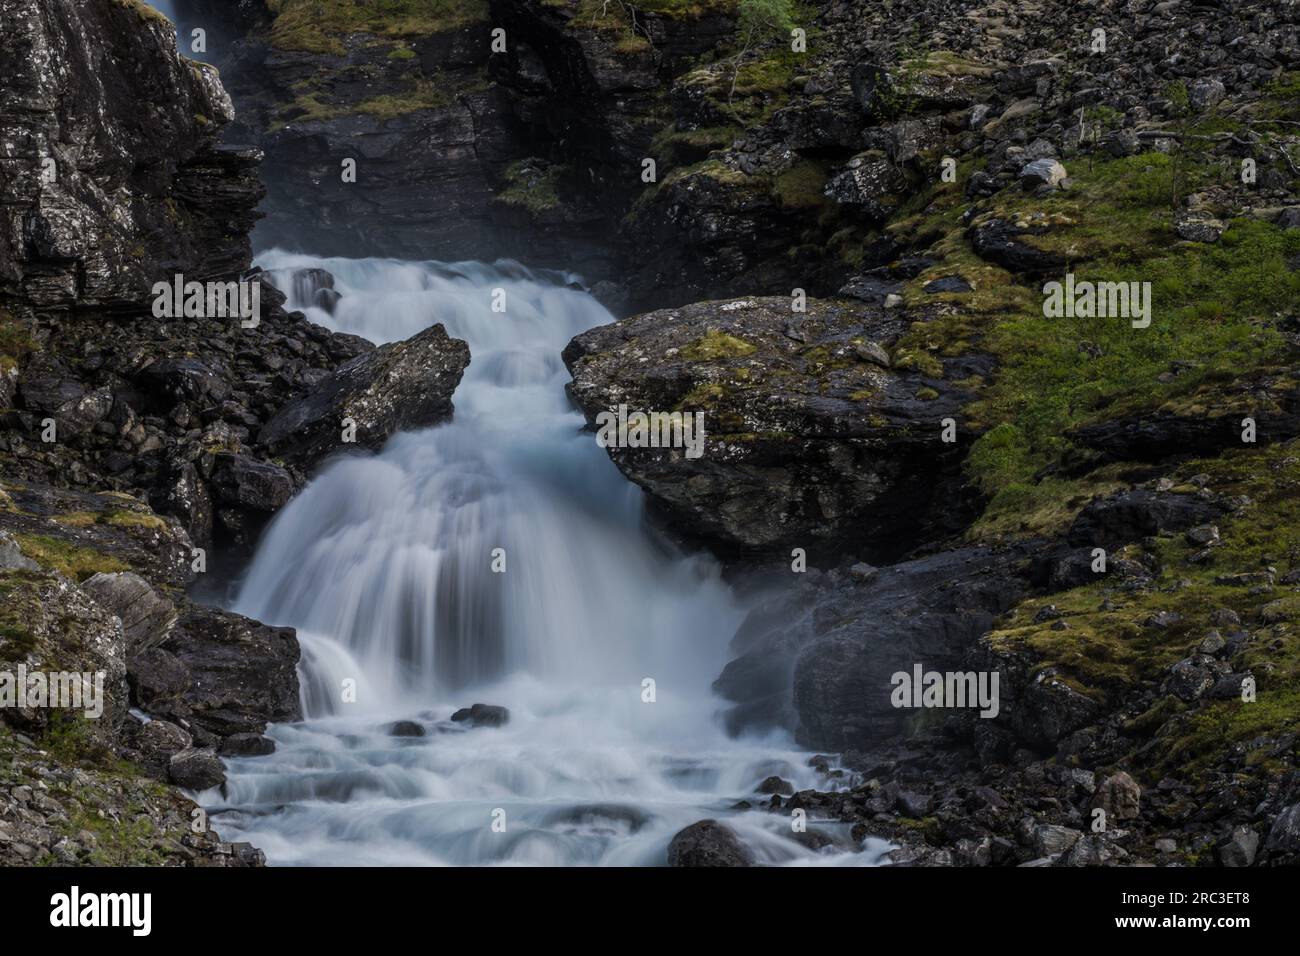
{"x":498,"y":558}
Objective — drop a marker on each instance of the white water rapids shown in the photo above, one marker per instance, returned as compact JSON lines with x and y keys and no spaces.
{"x":383,"y":563}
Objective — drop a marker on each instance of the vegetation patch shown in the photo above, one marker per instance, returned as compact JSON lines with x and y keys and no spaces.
{"x":316,"y":26}
{"x":68,"y":559}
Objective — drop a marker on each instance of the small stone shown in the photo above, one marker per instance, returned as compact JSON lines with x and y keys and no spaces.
{"x":1042,"y":172}
{"x":1241,"y":847}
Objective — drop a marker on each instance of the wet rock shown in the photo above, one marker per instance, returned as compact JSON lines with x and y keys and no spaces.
{"x":399,"y":386}
{"x":482,"y":715}
{"x":247,"y":745}
{"x":408,"y":728}
{"x":822,"y":662}
{"x":775,"y":785}
{"x":243,"y":674}
{"x":707,"y":844}
{"x":196,"y":769}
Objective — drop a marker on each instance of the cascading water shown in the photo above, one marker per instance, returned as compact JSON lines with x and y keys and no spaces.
{"x":385,"y":564}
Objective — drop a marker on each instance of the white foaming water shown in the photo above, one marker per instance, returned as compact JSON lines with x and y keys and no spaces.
{"x":384,"y":564}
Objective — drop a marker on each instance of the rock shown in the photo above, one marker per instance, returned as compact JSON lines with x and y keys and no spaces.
{"x":1120,"y":796}
{"x":1206,"y":92}
{"x":398,"y":386}
{"x":1198,"y":228}
{"x":482,"y":715}
{"x":1051,"y":840}
{"x":820,"y":662}
{"x":245,"y":482}
{"x":147,"y":617}
{"x":196,"y":769}
{"x":775,"y":785}
{"x":1241,"y":847}
{"x":158,"y":678}
{"x":1043,"y":172}
{"x":1190,"y":679}
{"x":156,"y":742}
{"x":12,"y":557}
{"x":805,"y":444}
{"x":1284,"y":834}
{"x":1000,"y":242}
{"x":52,"y":627}
{"x":409,"y":728}
{"x":947,"y":284}
{"x":243,"y":673}
{"x":1133,"y":515}
{"x":871,"y":183}
{"x":247,"y":745}
{"x":1092,"y":850}
{"x":707,"y":843}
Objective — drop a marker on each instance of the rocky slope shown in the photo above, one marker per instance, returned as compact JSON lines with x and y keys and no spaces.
{"x":141,"y":453}
{"x":1158,"y":685}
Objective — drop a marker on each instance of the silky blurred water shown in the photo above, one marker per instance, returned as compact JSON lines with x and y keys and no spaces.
{"x":385,"y":565}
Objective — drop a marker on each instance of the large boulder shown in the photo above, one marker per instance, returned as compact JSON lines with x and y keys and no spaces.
{"x":58,"y":635}
{"x":398,"y":386}
{"x":810,"y":437}
{"x":821,"y":659}
{"x":242,"y":675}
{"x":707,"y":843}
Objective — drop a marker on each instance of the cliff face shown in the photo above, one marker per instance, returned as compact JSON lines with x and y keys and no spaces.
{"x":112,"y":170}
{"x":129,"y":441}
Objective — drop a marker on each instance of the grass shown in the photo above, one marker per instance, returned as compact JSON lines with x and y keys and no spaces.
{"x":316,"y":26}
{"x":68,"y":559}
{"x":15,"y":341}
{"x":1108,"y":651}
{"x":1214,"y":319}
{"x":531,"y":186}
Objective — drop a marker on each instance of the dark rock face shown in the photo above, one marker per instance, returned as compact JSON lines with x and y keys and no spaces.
{"x":402,"y":385}
{"x":1003,"y":243}
{"x":707,"y":843}
{"x":149,"y":191}
{"x":1133,"y":515}
{"x":242,"y":674}
{"x":820,"y":660}
{"x":811,"y":437}
{"x":147,"y":617}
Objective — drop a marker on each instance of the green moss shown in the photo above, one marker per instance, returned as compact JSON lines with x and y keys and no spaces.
{"x":1214,"y":318}
{"x":15,"y":341}
{"x":801,"y":186}
{"x":402,"y":53}
{"x":715,"y":345}
{"x":318,"y":26}
{"x":134,"y":519}
{"x":143,"y":10}
{"x":68,"y":559}
{"x":532,"y":185}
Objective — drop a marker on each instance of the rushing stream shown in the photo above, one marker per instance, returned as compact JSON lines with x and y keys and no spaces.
{"x":385,"y":564}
